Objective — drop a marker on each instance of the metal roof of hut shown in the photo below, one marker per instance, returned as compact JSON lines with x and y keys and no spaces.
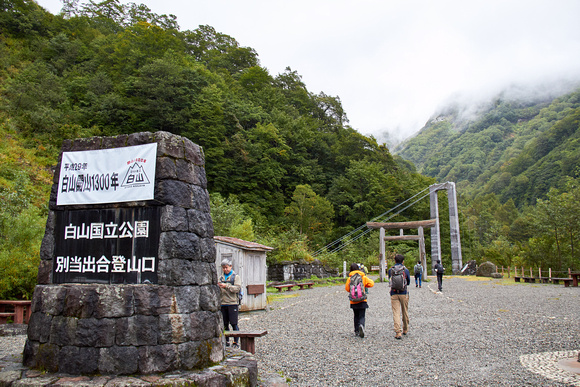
{"x":243,"y":244}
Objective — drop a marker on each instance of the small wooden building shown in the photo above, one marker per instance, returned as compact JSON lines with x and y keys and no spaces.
{"x":249,"y":262}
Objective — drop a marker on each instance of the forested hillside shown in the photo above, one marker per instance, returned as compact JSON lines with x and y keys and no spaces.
{"x":517,"y":168}
{"x":283,"y":165}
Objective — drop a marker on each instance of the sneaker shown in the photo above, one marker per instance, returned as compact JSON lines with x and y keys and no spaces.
{"x":227,"y":343}
{"x":235,"y":345}
{"x":361,"y":331}
{"x":405,"y":333}
{"x":398,"y":336}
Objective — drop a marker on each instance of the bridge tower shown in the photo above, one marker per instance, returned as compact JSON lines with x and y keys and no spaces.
{"x":456,"y":261}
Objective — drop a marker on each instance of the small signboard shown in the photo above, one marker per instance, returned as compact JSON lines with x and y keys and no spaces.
{"x":107,"y":175}
{"x":109,"y":246}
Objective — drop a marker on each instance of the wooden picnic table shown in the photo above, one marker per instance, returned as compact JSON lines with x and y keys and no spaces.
{"x":21,"y":313}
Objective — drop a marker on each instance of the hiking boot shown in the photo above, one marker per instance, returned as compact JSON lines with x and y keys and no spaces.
{"x":361,"y":331}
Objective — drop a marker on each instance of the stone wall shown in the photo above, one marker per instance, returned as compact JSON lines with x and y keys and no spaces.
{"x":296,"y":271}
{"x":137,"y":328}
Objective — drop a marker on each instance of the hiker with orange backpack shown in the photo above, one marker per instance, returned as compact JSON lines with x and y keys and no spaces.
{"x":355,"y":286}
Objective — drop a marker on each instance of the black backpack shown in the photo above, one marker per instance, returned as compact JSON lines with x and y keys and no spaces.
{"x":398,"y":278}
{"x":439,"y":268}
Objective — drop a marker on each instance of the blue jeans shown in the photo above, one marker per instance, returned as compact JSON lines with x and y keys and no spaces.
{"x":418,"y":279}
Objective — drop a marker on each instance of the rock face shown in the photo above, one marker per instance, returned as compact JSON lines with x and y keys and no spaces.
{"x":173,"y":323}
{"x":296,"y":271}
{"x":486,"y":269}
{"x":470,"y":268}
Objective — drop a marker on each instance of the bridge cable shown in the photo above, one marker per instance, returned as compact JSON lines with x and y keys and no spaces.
{"x":377,"y":218}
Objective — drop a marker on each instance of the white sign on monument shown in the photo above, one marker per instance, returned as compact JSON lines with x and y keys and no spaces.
{"x":107,"y":175}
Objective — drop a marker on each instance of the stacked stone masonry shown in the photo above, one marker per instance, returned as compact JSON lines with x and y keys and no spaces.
{"x":297,"y":271}
{"x":137,"y":328}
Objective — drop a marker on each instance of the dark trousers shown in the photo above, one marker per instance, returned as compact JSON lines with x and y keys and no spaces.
{"x":439,"y":280}
{"x":359,"y":314}
{"x":230,"y":315}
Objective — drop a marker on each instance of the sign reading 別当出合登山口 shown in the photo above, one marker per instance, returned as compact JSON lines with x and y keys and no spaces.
{"x":107,"y":175}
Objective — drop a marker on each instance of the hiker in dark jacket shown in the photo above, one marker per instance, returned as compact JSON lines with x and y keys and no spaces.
{"x":358,"y":307}
{"x":400,"y":298}
{"x":439,"y":270}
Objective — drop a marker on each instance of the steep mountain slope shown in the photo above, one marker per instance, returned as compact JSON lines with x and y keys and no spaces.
{"x":516,"y":149}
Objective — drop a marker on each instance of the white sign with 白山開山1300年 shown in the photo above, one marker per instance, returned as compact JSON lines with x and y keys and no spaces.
{"x":107,"y":175}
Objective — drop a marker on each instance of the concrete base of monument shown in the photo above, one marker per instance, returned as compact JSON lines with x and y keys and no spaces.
{"x":239,"y":368}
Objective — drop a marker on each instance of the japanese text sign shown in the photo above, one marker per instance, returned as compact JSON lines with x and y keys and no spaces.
{"x":112,"y":246}
{"x":107,"y":175}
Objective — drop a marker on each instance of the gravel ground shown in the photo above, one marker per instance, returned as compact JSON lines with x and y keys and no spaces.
{"x":476,"y":333}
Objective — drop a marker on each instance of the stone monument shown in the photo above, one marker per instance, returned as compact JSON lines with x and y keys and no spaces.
{"x":127,"y":282}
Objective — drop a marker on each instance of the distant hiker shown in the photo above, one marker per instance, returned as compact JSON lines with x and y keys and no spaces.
{"x":418,"y":271}
{"x":355,"y":286}
{"x":230,"y":285}
{"x":439,"y":270}
{"x":363,"y":268}
{"x":399,"y":278}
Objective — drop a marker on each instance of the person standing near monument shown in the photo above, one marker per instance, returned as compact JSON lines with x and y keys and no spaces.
{"x":400,"y":278}
{"x":230,"y":285}
{"x":439,"y":270}
{"x":356,"y":284}
{"x":418,"y":271}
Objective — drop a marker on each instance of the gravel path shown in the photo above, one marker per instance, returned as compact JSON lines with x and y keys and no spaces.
{"x":475,"y":333}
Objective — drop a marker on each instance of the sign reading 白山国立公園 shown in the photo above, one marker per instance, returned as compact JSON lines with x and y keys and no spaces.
{"x":107,"y":175}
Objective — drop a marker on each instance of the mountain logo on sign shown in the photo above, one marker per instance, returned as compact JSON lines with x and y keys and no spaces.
{"x":135,"y":177}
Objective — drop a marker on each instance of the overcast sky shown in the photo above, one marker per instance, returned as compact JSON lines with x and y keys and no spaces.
{"x":392,"y":63}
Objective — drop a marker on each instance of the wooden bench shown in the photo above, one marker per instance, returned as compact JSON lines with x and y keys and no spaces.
{"x":285,"y":286}
{"x":20,"y":313}
{"x":302,"y":285}
{"x":567,"y":281}
{"x":575,"y":278}
{"x":247,"y":338}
